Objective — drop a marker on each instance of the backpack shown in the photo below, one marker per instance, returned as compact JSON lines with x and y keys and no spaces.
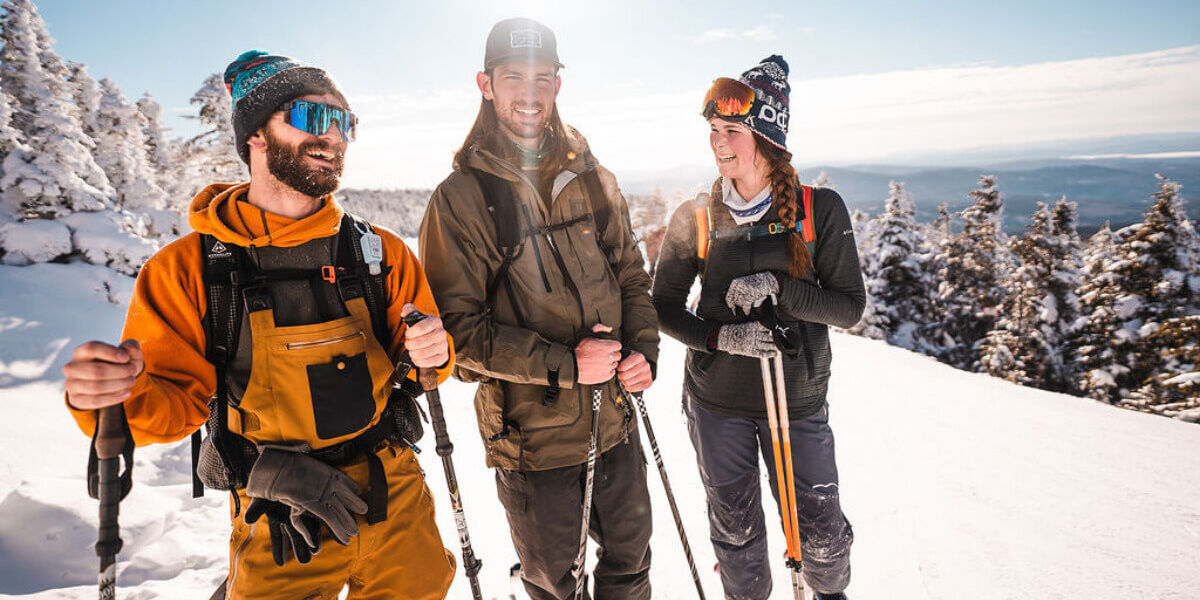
{"x":705,"y":228}
{"x":227,"y":273}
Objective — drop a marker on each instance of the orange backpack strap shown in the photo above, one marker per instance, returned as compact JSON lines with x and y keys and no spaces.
{"x":702,"y":227}
{"x":808,"y":228}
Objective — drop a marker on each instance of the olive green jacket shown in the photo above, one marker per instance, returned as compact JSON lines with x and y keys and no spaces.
{"x":512,"y":350}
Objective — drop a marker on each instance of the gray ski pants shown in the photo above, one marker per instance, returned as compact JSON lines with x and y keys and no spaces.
{"x":728,"y":449}
{"x":545,"y":512}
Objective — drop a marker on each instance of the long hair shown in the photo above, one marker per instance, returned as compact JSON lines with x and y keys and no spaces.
{"x":785,"y":187}
{"x":485,"y":133}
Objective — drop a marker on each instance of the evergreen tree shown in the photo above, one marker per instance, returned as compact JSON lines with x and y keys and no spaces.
{"x":1099,"y":348}
{"x":823,"y":180}
{"x":9,"y":136}
{"x":159,"y":149}
{"x":56,"y":174}
{"x":126,"y":163}
{"x":1020,"y":347}
{"x":1159,"y":265}
{"x":970,"y":266}
{"x":939,"y":232}
{"x":87,"y":96}
{"x":872,"y":324}
{"x":1065,"y":249}
{"x":899,"y":279}
{"x":210,"y":156}
{"x":1176,"y":386}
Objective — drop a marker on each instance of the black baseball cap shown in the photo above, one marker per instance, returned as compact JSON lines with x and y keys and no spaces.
{"x":520,"y":37}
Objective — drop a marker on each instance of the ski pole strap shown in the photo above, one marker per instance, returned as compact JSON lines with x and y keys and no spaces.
{"x":111,"y":439}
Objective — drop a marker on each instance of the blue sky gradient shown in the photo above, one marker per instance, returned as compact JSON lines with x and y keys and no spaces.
{"x":408,"y":55}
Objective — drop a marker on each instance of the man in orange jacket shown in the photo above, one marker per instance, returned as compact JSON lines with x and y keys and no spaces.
{"x":307,"y":387}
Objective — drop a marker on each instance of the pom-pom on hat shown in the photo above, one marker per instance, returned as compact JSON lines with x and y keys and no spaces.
{"x":259,"y":83}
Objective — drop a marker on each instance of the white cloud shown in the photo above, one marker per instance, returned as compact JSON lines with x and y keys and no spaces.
{"x":761,"y":33}
{"x":407,"y":140}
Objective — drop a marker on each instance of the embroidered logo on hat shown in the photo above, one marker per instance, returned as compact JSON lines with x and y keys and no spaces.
{"x":525,"y":38}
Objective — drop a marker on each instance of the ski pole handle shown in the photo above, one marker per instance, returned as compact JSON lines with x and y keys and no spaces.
{"x":427,"y":377}
{"x":110,"y":431}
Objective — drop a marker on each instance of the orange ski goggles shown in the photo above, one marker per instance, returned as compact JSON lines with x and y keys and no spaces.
{"x":727,"y":98}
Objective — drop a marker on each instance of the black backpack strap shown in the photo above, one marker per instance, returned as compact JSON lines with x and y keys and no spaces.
{"x":223,"y":275}
{"x":601,"y":211}
{"x":510,"y":237}
{"x":361,"y":282}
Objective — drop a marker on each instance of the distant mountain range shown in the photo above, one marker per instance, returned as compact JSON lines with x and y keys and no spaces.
{"x":1111,"y":178}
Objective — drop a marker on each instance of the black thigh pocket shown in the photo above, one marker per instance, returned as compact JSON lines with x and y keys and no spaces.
{"x":341,"y":395}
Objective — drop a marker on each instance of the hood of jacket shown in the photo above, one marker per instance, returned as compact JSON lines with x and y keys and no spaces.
{"x":223,"y":211}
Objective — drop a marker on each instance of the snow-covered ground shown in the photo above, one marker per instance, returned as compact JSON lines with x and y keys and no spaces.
{"x":959,"y":486}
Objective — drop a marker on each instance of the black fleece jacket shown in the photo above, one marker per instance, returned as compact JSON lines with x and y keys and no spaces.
{"x":832,"y":295}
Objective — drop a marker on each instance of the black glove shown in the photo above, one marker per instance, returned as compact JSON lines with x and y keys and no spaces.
{"x":284,"y":535}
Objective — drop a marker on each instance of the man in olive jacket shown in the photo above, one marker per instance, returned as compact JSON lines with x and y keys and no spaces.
{"x":569,"y":314}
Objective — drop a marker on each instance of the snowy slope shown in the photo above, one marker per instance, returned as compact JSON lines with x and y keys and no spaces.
{"x":959,"y":486}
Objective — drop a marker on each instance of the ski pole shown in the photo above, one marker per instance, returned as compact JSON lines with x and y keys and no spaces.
{"x":581,"y":558}
{"x":777,"y":418}
{"x":109,"y":444}
{"x":428,"y":379}
{"x":662,"y":473}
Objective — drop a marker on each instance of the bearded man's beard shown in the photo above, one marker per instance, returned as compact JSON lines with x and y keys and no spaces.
{"x":287,"y":165}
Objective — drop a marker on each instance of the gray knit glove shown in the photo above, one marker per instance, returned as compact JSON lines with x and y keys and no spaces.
{"x":308,"y":485}
{"x":750,"y":291}
{"x":746,"y":339}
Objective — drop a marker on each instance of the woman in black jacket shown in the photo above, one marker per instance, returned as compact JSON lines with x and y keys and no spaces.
{"x":761,"y":257}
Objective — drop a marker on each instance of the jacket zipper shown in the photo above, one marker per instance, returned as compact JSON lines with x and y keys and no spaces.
{"x":326,"y":342}
{"x":553,"y":248}
{"x":233,"y":565}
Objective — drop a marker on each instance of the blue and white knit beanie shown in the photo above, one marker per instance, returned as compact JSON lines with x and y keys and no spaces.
{"x":769,"y":115}
{"x":259,"y":83}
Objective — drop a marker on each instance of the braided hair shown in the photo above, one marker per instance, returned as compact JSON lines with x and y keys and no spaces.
{"x":785,"y":184}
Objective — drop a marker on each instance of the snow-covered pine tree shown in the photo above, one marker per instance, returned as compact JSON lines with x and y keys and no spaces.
{"x":1175,"y":388}
{"x":125,"y":161}
{"x":56,"y":174}
{"x":899,"y":280}
{"x":1018,"y":348}
{"x":1098,"y":348}
{"x":9,"y":136}
{"x":87,"y":94}
{"x":159,"y":148}
{"x":1160,"y":265}
{"x":58,"y":201}
{"x":209,"y":156}
{"x":1065,"y":278}
{"x":938,"y":235}
{"x":823,"y":180}
{"x":970,"y":267}
{"x":872,"y":323}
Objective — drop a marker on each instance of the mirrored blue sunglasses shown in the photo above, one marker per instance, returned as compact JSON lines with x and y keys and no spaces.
{"x":315,"y":118}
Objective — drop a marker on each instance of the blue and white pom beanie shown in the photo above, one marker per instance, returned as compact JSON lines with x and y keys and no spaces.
{"x":259,"y":83}
{"x":769,"y":115}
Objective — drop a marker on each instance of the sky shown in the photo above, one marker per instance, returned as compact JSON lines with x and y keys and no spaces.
{"x":871,"y":81}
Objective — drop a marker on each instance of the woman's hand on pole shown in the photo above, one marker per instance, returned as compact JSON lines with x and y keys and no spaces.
{"x":752,"y":290}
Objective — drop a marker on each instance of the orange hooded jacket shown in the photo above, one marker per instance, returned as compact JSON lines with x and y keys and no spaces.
{"x":170,"y":398}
